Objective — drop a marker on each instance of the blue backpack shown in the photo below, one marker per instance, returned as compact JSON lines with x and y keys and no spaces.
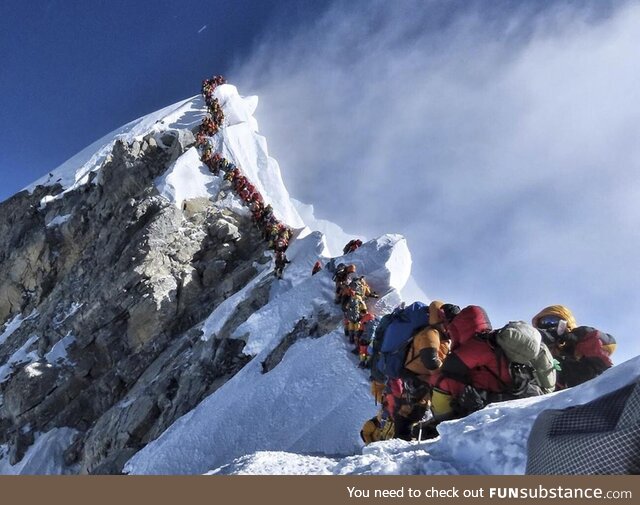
{"x":404,"y":324}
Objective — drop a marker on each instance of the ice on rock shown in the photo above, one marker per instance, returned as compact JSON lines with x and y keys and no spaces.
{"x":45,"y":456}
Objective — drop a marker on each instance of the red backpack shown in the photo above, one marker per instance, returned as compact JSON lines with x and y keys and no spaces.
{"x":469,"y":322}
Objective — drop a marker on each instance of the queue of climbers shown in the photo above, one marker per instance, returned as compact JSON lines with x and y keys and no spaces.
{"x":439,"y":362}
{"x":276,"y":233}
{"x":428,"y":363}
{"x":436,"y":362}
{"x":351,"y":293}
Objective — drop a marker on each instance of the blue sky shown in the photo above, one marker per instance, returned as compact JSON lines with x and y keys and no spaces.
{"x":500,"y":137}
{"x":73,"y":70}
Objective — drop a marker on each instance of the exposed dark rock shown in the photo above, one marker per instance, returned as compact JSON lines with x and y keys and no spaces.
{"x":120,"y":284}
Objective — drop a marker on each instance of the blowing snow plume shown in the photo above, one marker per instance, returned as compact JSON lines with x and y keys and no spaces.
{"x":495,"y":131}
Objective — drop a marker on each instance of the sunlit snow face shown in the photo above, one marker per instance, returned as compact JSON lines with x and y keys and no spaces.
{"x":237,"y":109}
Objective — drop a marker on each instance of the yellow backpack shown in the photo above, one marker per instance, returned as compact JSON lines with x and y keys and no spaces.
{"x":374,"y":430}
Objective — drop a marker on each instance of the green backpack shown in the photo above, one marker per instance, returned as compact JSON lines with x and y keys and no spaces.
{"x":522,"y":345}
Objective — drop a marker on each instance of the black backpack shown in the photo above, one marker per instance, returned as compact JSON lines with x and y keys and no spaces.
{"x":523,"y":385}
{"x":523,"y":377}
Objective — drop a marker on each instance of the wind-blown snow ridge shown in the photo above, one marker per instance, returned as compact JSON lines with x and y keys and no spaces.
{"x":240,"y":143}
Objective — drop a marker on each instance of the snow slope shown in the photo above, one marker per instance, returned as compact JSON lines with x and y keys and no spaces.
{"x":491,"y":441}
{"x":44,"y":457}
{"x":312,"y":402}
{"x":383,"y":263}
{"x":316,"y":390}
{"x":239,"y":142}
{"x":187,"y":178}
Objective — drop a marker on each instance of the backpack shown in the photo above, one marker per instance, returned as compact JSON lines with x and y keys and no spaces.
{"x":523,"y":382}
{"x":339,"y":272}
{"x":405,"y":322}
{"x":607,"y":341}
{"x":544,"y":367}
{"x":520,"y":341}
{"x":359,"y":286}
{"x":531,"y":365}
{"x":353,"y":309}
{"x":369,"y":329}
{"x":376,"y":429}
{"x":374,"y":348}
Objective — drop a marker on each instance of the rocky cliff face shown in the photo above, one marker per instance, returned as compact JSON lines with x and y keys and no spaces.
{"x":101,"y":289}
{"x":141,"y":328}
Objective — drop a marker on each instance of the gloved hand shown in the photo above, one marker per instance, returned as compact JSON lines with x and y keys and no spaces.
{"x":469,"y":401}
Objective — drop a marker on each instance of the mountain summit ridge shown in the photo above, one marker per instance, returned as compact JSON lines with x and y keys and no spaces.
{"x":113,"y":266}
{"x":143,"y":330}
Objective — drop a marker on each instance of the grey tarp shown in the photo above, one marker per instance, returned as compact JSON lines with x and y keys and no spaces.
{"x":599,"y":437}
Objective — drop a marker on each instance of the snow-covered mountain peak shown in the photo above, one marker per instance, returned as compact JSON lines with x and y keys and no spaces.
{"x":136,"y":252}
{"x":237,"y":109}
{"x":239,"y":142}
{"x":186,"y":114}
{"x":142,"y":329}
